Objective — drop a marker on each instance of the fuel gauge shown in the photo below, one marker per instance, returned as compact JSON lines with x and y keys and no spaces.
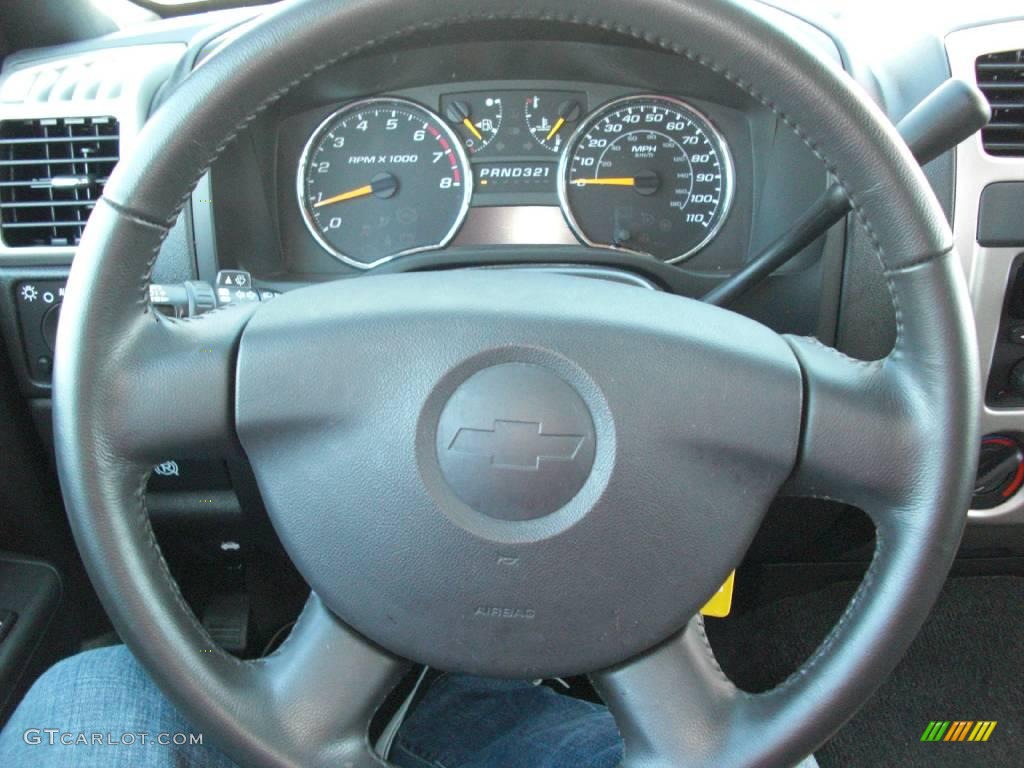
{"x":476,"y":118}
{"x":551,"y":118}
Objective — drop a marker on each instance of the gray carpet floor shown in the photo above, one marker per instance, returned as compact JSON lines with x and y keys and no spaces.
{"x":967,"y":664}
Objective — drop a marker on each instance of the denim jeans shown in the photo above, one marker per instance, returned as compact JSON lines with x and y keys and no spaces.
{"x":104,"y":692}
{"x":461,"y":722}
{"x":473,"y":722}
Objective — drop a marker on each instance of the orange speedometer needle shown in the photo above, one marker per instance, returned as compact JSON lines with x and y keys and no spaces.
{"x":623,"y":181}
{"x":383,"y":185}
{"x":643,"y":182}
{"x":472,"y":128}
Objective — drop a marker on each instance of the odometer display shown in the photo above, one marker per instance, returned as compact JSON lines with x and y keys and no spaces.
{"x":648,"y":174}
{"x":381,"y":178}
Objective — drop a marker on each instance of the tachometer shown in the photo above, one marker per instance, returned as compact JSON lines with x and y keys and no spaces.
{"x":648,"y":174}
{"x":382,"y":178}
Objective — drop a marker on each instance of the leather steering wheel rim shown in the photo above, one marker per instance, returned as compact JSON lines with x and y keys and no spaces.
{"x":889,"y":436}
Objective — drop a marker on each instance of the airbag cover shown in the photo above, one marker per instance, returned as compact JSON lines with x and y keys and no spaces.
{"x":617,"y":450}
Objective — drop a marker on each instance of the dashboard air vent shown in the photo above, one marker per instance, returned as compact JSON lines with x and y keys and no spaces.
{"x":52,"y":171}
{"x":1001,"y":78}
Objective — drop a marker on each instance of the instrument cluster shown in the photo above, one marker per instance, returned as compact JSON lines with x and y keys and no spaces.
{"x":387,"y":176}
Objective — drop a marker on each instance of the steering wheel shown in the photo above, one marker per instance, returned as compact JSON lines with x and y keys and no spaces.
{"x":674,"y":424}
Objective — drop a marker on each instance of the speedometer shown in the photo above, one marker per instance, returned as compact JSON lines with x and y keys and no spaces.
{"x":382,"y":178}
{"x":648,"y":174}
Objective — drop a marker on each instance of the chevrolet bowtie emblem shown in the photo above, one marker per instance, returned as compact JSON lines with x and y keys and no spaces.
{"x":516,"y":444}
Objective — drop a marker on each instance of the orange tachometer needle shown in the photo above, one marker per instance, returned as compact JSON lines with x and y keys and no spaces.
{"x":472,"y":128}
{"x":383,"y":185}
{"x":362,"y":191}
{"x":554,"y":129}
{"x":627,"y":181}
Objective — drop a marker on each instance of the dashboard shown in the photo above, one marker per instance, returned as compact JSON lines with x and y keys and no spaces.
{"x":468,"y":154}
{"x":387,"y":176}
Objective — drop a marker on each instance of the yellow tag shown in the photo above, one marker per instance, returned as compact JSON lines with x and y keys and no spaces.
{"x":721,"y":602}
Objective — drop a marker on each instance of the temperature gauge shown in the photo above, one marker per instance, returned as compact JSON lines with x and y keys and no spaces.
{"x":476,"y":118}
{"x":551,"y":118}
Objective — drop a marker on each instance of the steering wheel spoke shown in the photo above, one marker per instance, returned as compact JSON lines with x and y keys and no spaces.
{"x":328,"y":681}
{"x":859,"y":428}
{"x":673,"y":705}
{"x":869,"y":427}
{"x":174,"y":388}
{"x":157,"y":386}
